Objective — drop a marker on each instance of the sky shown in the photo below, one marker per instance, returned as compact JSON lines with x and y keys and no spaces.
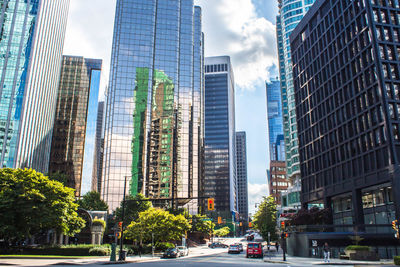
{"x":241,"y":29}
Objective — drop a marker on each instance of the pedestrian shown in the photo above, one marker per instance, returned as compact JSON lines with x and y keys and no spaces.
{"x":327,"y":252}
{"x":277,"y":246}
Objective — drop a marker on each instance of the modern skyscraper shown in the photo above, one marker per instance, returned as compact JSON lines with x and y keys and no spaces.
{"x":74,"y":135}
{"x":241,"y":170}
{"x":99,"y":149}
{"x":346,"y":71}
{"x":153,"y":127}
{"x":220,"y":154}
{"x":290,"y":13}
{"x":31,"y":45}
{"x":278,"y":182}
{"x":275,"y":121}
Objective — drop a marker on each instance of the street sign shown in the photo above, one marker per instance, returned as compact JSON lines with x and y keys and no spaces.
{"x":206,"y":219}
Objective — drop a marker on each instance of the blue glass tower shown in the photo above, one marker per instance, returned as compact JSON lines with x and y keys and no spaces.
{"x":153,"y":124}
{"x":31,"y":44}
{"x":275,"y":121}
{"x":290,"y":14}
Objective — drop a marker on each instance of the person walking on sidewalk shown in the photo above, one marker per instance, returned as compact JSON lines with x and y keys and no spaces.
{"x":327,"y":252}
{"x":277,"y":246}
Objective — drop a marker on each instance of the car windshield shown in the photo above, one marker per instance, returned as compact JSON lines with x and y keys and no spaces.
{"x":234,"y":246}
{"x":253,"y":245}
{"x":171,"y":249}
{"x":181,"y":247}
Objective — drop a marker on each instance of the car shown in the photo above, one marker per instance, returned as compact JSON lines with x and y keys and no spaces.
{"x":234,"y":249}
{"x":217,"y":245}
{"x":184,"y":250}
{"x":254,"y":249}
{"x":240,"y":246}
{"x":250,"y":237}
{"x":172,"y":253}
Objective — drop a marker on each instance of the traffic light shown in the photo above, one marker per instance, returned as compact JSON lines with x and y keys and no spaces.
{"x":250,"y":224}
{"x":394,"y":225}
{"x":282,"y":225}
{"x":219,"y":220}
{"x":118,"y":235}
{"x":120,"y":226}
{"x":210,"y":204}
{"x":240,"y":224}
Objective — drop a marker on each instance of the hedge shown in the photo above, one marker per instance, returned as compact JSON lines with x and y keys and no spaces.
{"x":396,"y":260}
{"x":358,"y":248}
{"x":67,"y":250}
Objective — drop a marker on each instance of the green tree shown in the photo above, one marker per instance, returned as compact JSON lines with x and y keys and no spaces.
{"x":92,"y":201}
{"x":133,"y":206}
{"x":59,"y":177}
{"x":30,"y":202}
{"x":162,"y":224}
{"x":265,"y":218}
{"x":221,"y":232}
{"x":202,"y":224}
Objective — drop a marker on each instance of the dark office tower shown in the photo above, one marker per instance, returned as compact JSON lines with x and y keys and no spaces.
{"x":74,"y":135}
{"x":241,"y":175}
{"x":220,"y":155}
{"x":31,"y":45}
{"x":99,"y":149}
{"x":346,"y":76}
{"x":153,"y":125}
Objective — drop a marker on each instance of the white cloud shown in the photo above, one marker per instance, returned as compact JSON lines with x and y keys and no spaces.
{"x":233,"y":28}
{"x":89,"y":32}
{"x":256,"y":192}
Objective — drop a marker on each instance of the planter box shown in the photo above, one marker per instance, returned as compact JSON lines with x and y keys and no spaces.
{"x":362,"y":255}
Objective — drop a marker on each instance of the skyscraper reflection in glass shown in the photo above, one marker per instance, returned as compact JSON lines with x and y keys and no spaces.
{"x":220,"y":154}
{"x":153,"y":125}
{"x":73,"y":145}
{"x":31,"y":44}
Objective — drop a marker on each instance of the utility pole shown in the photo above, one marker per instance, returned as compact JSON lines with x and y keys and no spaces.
{"x":121,"y":252}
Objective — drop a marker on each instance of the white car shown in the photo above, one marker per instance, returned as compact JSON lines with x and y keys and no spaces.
{"x":184,"y":250}
{"x":234,"y":249}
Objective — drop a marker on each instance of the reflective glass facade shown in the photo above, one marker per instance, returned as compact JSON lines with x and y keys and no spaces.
{"x":153,"y":125}
{"x":275,"y":123}
{"x":220,"y":154}
{"x":290,"y":14}
{"x":241,"y":169}
{"x":74,"y":135}
{"x":99,"y":149}
{"x":31,"y":44}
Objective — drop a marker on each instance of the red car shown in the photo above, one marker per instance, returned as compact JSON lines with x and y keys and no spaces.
{"x":254,"y":250}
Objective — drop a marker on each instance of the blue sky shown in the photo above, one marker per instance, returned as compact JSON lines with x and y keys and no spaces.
{"x":242,"y":29}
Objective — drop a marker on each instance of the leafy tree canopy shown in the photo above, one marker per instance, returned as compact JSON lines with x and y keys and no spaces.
{"x":30,"y":202}
{"x":92,"y":201}
{"x":313,"y":216}
{"x":60,"y":177}
{"x":133,"y":206}
{"x":221,"y":232}
{"x":265,"y":218}
{"x":162,"y":224}
{"x":202,"y":224}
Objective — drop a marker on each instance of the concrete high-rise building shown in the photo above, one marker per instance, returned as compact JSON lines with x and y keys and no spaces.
{"x":74,"y":135}
{"x":99,"y":149}
{"x":275,"y":121}
{"x":346,"y":71}
{"x":31,"y":45}
{"x":153,"y":125}
{"x":241,"y":175}
{"x":290,"y":14}
{"x":220,"y":180}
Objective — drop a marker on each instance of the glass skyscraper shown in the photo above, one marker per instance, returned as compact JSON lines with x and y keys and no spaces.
{"x":153,"y":126}
{"x":275,"y":121}
{"x":290,"y":14}
{"x":73,"y":145}
{"x":241,"y":169}
{"x":31,"y":45}
{"x":99,"y":149}
{"x":220,"y":154}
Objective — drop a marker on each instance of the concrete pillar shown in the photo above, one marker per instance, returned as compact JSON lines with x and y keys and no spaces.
{"x":93,"y":238}
{"x":358,"y":211}
{"x":61,"y":238}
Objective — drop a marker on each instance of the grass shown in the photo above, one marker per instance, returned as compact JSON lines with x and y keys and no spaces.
{"x":47,"y":256}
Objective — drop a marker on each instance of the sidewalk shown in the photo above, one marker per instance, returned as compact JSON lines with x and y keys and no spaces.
{"x":274,"y":257}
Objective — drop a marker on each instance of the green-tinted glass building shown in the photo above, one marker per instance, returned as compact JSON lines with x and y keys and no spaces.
{"x":153,"y":123}
{"x":31,"y":45}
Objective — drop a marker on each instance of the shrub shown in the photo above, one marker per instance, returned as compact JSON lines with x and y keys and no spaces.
{"x":66,"y":250}
{"x":358,"y":248}
{"x":99,"y":251}
{"x":396,"y":260}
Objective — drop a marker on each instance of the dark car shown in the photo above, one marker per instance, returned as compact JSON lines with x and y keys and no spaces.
{"x":217,"y":245}
{"x":172,"y":253}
